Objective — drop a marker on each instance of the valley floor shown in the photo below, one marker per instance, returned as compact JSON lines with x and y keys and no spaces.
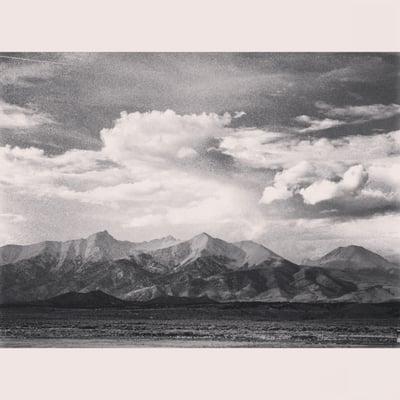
{"x":219,"y":325}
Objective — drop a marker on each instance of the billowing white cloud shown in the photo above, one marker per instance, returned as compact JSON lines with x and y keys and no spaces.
{"x":288,"y":181}
{"x":139,"y":169}
{"x":31,"y":170}
{"x":305,"y":179}
{"x":276,"y":192}
{"x":131,"y":169}
{"x":140,"y":162}
{"x":158,"y":137}
{"x":353,"y":180}
{"x":151,"y":145}
{"x":325,"y":169}
{"x":13,"y":116}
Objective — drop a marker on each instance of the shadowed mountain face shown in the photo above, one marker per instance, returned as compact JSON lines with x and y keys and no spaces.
{"x":202,"y":267}
{"x":376,"y":278}
{"x":74,"y":299}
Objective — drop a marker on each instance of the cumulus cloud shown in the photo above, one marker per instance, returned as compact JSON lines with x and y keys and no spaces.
{"x":276,"y":192}
{"x":301,"y":173}
{"x":305,"y":179}
{"x":151,"y":146}
{"x":139,"y":169}
{"x":130,"y":172}
{"x":355,"y":175}
{"x":29,"y":169}
{"x":157,"y":137}
{"x":13,"y":116}
{"x":142,"y":151}
{"x":288,"y":181}
{"x":353,"y":180}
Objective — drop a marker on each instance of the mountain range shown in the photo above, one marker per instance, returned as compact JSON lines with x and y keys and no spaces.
{"x":199,"y":268}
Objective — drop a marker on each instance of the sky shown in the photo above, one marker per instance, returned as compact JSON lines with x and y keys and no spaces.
{"x":298,"y":151}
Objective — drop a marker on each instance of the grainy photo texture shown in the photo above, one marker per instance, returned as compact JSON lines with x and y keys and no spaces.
{"x":199,"y":200}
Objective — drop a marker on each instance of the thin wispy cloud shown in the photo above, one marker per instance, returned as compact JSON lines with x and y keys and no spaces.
{"x":16,"y":117}
{"x":346,"y":115}
{"x":32,"y":60}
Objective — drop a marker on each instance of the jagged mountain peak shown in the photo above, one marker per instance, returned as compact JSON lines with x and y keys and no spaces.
{"x":201,"y":266}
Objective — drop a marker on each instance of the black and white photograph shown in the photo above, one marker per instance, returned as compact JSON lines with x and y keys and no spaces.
{"x":199,"y":200}
{"x":190,"y":199}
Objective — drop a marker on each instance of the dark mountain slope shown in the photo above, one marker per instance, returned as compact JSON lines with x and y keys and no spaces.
{"x":95,"y":298}
{"x":197,"y":268}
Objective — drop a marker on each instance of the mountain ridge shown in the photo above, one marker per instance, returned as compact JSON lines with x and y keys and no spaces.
{"x":97,"y":246}
{"x":203,"y":266}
